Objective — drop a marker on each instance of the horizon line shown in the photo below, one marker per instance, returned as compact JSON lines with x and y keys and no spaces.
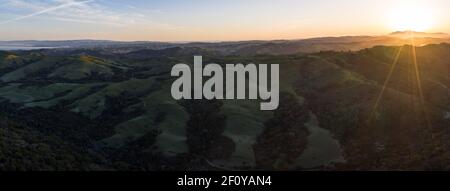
{"x":218,"y":41}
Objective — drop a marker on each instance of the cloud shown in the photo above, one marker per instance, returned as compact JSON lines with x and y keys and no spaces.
{"x":86,"y":19}
{"x":65,"y":4}
{"x":87,"y":12}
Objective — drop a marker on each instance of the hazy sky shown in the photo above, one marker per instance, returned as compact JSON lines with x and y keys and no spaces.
{"x":188,"y":20}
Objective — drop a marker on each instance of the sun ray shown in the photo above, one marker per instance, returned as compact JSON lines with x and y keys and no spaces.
{"x":388,"y":78}
{"x":418,"y":79}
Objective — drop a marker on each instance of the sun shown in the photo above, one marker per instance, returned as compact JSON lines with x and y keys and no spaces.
{"x":411,"y":16}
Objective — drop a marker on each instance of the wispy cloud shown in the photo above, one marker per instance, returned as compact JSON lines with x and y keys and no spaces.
{"x":87,"y":12}
{"x":74,"y":19}
{"x":46,"y":10}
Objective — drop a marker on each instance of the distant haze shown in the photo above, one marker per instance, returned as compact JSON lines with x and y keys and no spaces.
{"x":276,"y":47}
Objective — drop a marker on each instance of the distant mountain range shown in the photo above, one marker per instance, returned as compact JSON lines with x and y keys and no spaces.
{"x":408,"y":34}
{"x":275,"y":47}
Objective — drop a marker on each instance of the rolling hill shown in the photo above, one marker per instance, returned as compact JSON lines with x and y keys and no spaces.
{"x":101,"y":108}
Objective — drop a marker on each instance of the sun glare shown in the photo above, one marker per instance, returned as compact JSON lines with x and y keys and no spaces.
{"x":410,"y":16}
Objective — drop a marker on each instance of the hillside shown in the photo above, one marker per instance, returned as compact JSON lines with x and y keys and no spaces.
{"x":113,"y":110}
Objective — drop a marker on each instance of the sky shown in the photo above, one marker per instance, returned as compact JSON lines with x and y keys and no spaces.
{"x":215,"y":20}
